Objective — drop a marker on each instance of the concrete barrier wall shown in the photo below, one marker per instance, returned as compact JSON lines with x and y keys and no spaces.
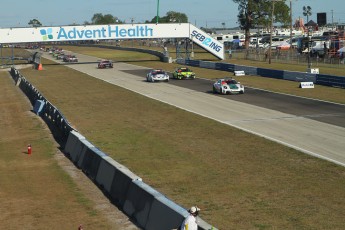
{"x":122,"y":180}
{"x":138,"y":202}
{"x":328,"y":80}
{"x":85,"y":146}
{"x":91,"y":161}
{"x":73,"y":140}
{"x":208,"y":65}
{"x":165,"y":214}
{"x":106,"y":173}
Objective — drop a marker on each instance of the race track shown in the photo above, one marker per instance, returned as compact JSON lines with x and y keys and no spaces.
{"x":313,"y":127}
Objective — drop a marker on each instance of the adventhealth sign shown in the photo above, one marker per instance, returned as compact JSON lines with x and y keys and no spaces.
{"x":109,"y":32}
{"x":118,"y":31}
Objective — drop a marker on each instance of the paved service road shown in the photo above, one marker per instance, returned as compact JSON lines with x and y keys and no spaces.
{"x":292,"y":121}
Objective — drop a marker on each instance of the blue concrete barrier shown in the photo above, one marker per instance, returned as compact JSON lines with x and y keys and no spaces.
{"x":91,"y":161}
{"x":328,"y":80}
{"x":106,"y":173}
{"x":207,"y":64}
{"x":165,"y":214}
{"x":225,"y":67}
{"x":194,"y":63}
{"x":271,"y":73}
{"x":119,"y":186}
{"x":138,"y":202}
{"x":85,"y":146}
{"x":181,"y":61}
{"x":72,"y":141}
{"x":299,"y":76}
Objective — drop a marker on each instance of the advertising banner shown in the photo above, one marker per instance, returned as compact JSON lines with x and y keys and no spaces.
{"x":111,"y":32}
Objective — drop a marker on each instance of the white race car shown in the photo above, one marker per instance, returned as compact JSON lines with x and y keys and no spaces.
{"x":157,"y":75}
{"x":227,"y":86}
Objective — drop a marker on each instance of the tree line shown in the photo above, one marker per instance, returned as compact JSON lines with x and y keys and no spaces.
{"x":251,"y":14}
{"x":106,"y":19}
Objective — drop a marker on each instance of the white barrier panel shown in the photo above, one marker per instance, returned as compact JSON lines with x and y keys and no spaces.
{"x":313,"y":70}
{"x":239,"y":73}
{"x":306,"y":85}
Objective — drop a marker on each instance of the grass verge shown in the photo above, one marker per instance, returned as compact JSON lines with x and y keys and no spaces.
{"x":240,"y":181}
{"x":35,"y":193}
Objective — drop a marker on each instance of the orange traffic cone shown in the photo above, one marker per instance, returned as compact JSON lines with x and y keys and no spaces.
{"x":39,"y":67}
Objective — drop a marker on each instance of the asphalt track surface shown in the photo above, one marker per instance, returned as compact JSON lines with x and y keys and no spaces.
{"x":311,"y":126}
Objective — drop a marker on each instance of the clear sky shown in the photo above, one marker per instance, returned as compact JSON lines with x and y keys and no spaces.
{"x":200,"y":12}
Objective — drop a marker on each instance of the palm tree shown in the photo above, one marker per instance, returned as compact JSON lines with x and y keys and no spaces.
{"x":307,"y":12}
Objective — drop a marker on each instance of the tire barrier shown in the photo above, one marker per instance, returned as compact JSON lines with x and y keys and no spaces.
{"x":146,"y":206}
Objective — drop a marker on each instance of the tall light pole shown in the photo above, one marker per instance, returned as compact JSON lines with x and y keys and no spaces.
{"x":307,"y":12}
{"x":157,"y":11}
{"x":290,"y":24}
{"x":271,"y":30}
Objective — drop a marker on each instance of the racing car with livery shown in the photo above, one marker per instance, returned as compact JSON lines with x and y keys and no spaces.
{"x":183,"y":73}
{"x":227,"y":86}
{"x":157,"y":75}
{"x":105,"y":64}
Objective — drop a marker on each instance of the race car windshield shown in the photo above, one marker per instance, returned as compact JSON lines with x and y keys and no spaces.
{"x":158,"y":72}
{"x":231,"y":82}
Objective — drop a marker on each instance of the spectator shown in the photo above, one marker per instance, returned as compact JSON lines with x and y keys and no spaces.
{"x":325,"y":49}
{"x":230,"y":54}
{"x":190,"y":222}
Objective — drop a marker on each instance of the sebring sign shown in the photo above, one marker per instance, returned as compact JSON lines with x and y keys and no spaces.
{"x":122,"y":31}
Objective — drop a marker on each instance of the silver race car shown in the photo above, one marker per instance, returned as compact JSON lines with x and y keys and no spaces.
{"x":227,"y":86}
{"x":157,"y":75}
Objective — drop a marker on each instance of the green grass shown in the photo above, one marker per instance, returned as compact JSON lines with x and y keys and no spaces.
{"x":34,"y":191}
{"x":239,"y":180}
